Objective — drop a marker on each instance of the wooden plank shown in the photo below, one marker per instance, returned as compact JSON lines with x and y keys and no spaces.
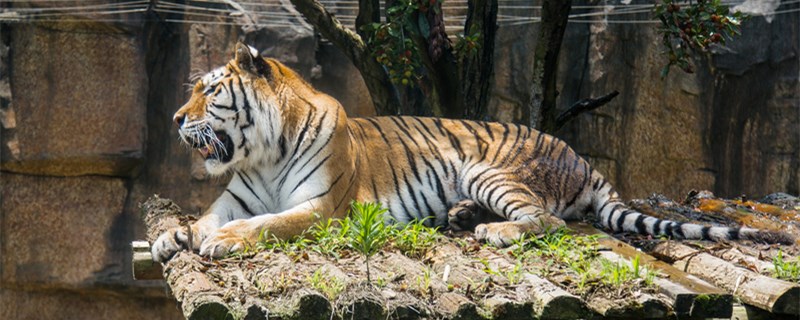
{"x":144,"y":268}
{"x":767,"y":293}
{"x":690,"y":296}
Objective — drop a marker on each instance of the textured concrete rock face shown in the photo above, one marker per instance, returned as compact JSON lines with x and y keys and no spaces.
{"x":732,"y":127}
{"x":651,"y":136}
{"x":340,"y":79}
{"x":172,"y":169}
{"x":755,"y":124}
{"x":58,"y":232}
{"x":23,"y":305}
{"x":79,"y":101}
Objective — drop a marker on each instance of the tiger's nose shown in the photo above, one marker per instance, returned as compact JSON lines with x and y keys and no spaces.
{"x":178,"y":119}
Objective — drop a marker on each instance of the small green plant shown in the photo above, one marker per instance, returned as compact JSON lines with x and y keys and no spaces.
{"x":381,"y":282}
{"x":514,"y":275}
{"x":415,"y":239}
{"x":424,"y":282}
{"x":329,"y":286}
{"x":368,"y":230}
{"x":786,"y":270}
{"x":331,"y":236}
{"x":291,"y":246}
{"x":617,"y":274}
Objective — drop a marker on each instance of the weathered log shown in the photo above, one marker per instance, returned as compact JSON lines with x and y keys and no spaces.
{"x":547,"y":300}
{"x":550,"y":301}
{"x":690,"y":296}
{"x":161,"y":215}
{"x":197,"y":294}
{"x":747,"y":312}
{"x":736,"y":256}
{"x":770,"y":294}
{"x":361,"y":302}
{"x":311,"y":305}
{"x":144,"y":268}
{"x":505,"y":308}
{"x":643,"y":306}
{"x":455,"y":306}
{"x":463,"y":270}
{"x":685,"y":302}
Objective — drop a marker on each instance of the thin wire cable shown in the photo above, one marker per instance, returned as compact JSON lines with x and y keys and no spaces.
{"x":509,"y":14}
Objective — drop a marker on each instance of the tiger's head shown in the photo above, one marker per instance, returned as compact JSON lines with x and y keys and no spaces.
{"x":233,"y":115}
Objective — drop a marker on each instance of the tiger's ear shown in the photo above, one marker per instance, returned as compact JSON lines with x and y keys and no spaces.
{"x":248,"y":59}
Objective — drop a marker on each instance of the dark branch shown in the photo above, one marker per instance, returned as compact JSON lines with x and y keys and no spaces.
{"x":582,"y":106}
{"x":355,"y":48}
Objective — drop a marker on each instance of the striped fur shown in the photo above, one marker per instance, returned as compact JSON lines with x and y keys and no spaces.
{"x":295,"y":158}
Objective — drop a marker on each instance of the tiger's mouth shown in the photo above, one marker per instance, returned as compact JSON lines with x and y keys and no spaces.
{"x":220,"y":148}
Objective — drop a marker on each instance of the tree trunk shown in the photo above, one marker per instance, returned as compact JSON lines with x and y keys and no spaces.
{"x":541,"y":111}
{"x":369,"y":11}
{"x":476,"y":69}
{"x":380,"y":88}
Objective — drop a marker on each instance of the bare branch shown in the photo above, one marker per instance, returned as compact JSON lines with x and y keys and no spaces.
{"x":582,"y":106}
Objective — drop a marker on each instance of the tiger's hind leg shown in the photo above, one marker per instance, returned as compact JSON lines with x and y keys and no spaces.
{"x":522,"y":210}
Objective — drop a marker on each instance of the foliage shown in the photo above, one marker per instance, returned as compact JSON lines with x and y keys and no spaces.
{"x":686,"y":30}
{"x":391,"y":42}
{"x":368,"y":230}
{"x":414,"y":239}
{"x":424,"y":283}
{"x":561,"y":252}
{"x":616,"y":274}
{"x":786,"y":270}
{"x":467,"y":45}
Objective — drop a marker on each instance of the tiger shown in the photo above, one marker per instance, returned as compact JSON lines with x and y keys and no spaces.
{"x":295,"y":158}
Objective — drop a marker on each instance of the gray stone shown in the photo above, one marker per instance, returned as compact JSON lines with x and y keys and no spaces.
{"x":781,"y":199}
{"x":18,"y":304}
{"x":79,"y":100}
{"x":59,"y":233}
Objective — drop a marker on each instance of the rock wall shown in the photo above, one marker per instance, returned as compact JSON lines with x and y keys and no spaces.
{"x":731,"y":127}
{"x":86,"y":108}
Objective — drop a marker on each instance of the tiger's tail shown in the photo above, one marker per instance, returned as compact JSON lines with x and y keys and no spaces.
{"x":614,"y":215}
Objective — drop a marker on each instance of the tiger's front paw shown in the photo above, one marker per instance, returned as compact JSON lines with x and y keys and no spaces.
{"x":172,"y":241}
{"x":234,"y":236}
